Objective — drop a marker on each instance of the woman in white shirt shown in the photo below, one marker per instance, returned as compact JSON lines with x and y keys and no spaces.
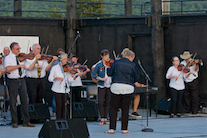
{"x":177,"y":87}
{"x":60,"y":90}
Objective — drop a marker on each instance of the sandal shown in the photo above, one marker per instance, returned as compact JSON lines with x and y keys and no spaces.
{"x":109,"y":132}
{"x":107,"y":123}
{"x":101,"y":123}
{"x":125,"y":132}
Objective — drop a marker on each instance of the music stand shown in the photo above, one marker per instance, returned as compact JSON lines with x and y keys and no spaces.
{"x":147,"y":129}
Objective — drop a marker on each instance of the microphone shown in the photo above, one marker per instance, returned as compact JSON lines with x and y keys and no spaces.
{"x":78,"y":33}
{"x":59,"y":58}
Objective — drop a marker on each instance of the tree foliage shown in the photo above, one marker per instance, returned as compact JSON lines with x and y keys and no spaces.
{"x":57,"y":9}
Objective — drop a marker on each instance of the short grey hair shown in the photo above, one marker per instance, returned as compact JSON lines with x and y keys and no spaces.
{"x":34,"y":45}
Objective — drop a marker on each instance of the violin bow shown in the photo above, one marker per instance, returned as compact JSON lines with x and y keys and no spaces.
{"x":28,"y":46}
{"x":85,"y":62}
{"x":47,"y":50}
{"x":42,"y":50}
{"x":115,"y":55}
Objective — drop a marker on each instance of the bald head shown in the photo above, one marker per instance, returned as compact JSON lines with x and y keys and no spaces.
{"x":36,"y":48}
{"x":6,"y":50}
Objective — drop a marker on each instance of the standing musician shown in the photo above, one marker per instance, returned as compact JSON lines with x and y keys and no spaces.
{"x":36,"y":76}
{"x":75,"y":82}
{"x":16,"y":84}
{"x":124,"y":76}
{"x":177,"y":87}
{"x":191,"y":83}
{"x":57,"y":77}
{"x":104,"y":83}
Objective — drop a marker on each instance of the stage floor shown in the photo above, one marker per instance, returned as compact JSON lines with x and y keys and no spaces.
{"x":188,"y":126}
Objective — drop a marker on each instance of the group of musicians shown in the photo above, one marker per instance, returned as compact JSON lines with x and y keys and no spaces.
{"x":115,"y":84}
{"x":183,"y":84}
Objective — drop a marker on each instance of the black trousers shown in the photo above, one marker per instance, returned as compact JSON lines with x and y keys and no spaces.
{"x":191,"y":93}
{"x":176,"y":96}
{"x":76,"y":92}
{"x":60,"y":105}
{"x":116,"y":101}
{"x":104,"y":97}
{"x":35,"y":89}
{"x":18,"y":86}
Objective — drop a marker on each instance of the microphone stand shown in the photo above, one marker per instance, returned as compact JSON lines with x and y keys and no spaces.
{"x":71,"y":48}
{"x":147,"y":96}
{"x":65,"y":89}
{"x":69,"y":52}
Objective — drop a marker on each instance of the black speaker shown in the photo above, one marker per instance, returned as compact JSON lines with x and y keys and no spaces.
{"x":88,"y":110}
{"x":38,"y":113}
{"x":163,"y":106}
{"x":66,"y":128}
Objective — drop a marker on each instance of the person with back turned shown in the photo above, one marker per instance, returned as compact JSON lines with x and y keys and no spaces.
{"x":16,"y":84}
{"x":124,"y":76}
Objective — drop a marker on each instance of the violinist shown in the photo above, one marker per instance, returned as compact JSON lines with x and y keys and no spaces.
{"x":57,"y":77}
{"x":16,"y":84}
{"x":177,"y":87}
{"x":75,"y":82}
{"x":104,"y":83}
{"x":191,"y":83}
{"x":36,"y":75}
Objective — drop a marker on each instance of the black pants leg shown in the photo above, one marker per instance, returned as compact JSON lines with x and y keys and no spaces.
{"x":116,"y":100}
{"x":125,"y":102}
{"x":191,"y":92}
{"x":176,"y":96}
{"x":18,"y":86}
{"x":36,"y":88}
{"x":103,"y":101}
{"x":40,"y":90}
{"x":76,"y":92}
{"x":115,"y":104}
{"x":60,"y":105}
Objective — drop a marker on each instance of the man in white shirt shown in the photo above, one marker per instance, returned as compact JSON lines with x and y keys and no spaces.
{"x":36,"y":76}
{"x":191,"y":83}
{"x":16,"y":84}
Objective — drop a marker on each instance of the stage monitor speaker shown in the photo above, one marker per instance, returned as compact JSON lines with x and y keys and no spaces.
{"x":163,"y":106}
{"x":65,"y":128}
{"x":88,"y":110}
{"x":38,"y":113}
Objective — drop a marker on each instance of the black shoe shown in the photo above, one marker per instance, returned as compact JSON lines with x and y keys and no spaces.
{"x":171,"y":116}
{"x":178,"y":115}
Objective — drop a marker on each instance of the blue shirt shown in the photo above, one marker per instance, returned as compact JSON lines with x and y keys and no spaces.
{"x":124,"y":71}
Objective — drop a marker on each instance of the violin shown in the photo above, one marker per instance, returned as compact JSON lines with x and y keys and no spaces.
{"x":68,"y":68}
{"x":181,"y":67}
{"x":108,"y":63}
{"x":192,"y":62}
{"x":23,"y":56}
{"x":0,"y":60}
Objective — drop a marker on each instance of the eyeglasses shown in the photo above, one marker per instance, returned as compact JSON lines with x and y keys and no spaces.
{"x":18,"y":49}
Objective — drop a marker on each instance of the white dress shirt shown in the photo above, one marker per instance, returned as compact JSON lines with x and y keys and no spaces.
{"x":191,"y":76}
{"x":33,"y":73}
{"x":121,"y":88}
{"x":10,"y":60}
{"x":58,"y":86}
{"x":176,"y":84}
{"x":77,"y":81}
